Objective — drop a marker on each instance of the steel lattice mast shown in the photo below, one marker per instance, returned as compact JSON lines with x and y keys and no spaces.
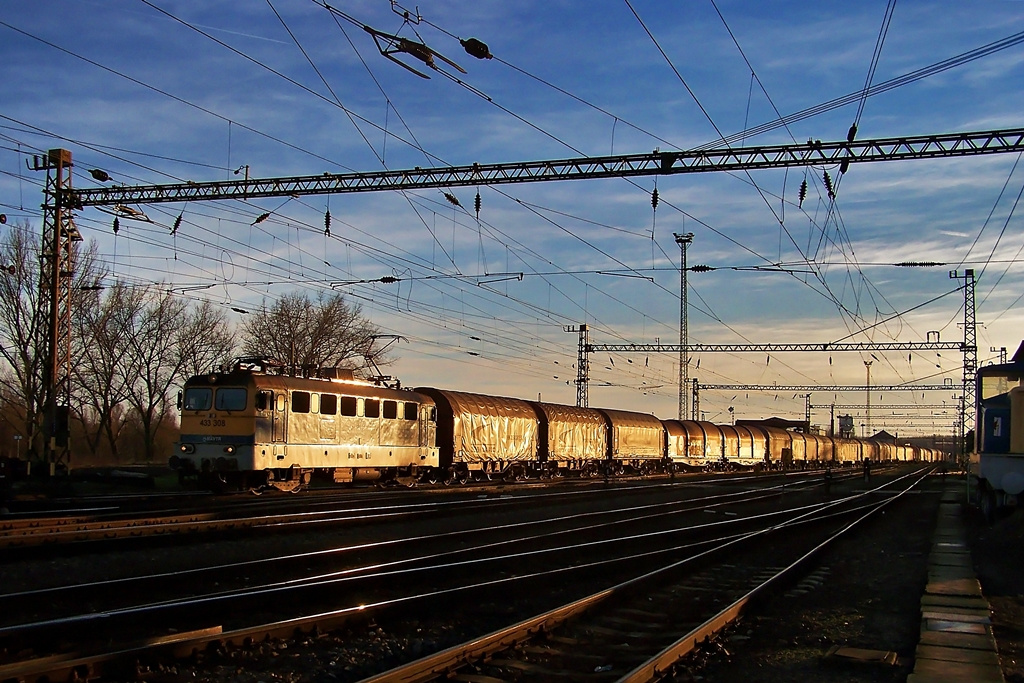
{"x":56,"y":268}
{"x":968,"y":395}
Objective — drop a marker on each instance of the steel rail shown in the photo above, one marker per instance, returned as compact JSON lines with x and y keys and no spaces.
{"x":664,"y":662}
{"x":412,"y":565}
{"x":444,"y":663}
{"x":83,"y":666}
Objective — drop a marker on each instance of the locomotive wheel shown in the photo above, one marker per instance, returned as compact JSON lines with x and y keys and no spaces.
{"x":987,"y":503}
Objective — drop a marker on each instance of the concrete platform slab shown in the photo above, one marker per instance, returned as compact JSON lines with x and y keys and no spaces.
{"x":956,"y":654}
{"x":946,"y":626}
{"x":968,"y":616}
{"x":975,"y":673}
{"x":951,"y":586}
{"x":961,"y":601}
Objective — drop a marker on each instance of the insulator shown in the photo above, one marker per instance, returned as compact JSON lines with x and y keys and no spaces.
{"x":700,"y":269}
{"x":476,"y":48}
{"x":852,"y":133}
{"x":476,"y":204}
{"x":844,"y":165}
{"x":327,"y":223}
{"x":828,"y":185}
{"x":177,"y":224}
{"x":389,"y":279}
{"x":654,"y":199}
{"x":117,"y":225}
{"x":262,"y":217}
{"x":452,"y":199}
{"x":100,"y":175}
{"x":803,"y":191}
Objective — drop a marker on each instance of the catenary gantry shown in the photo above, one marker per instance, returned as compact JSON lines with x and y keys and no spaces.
{"x":60,"y":199}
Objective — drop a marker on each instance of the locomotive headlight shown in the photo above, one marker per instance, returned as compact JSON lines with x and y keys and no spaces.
{"x":188,"y":448}
{"x":229,"y":449}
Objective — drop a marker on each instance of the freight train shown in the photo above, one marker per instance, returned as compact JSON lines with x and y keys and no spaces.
{"x":255,"y":425}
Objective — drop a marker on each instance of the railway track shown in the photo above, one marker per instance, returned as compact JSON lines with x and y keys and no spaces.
{"x":640,"y":630}
{"x":112,"y":522}
{"x":460,"y":568}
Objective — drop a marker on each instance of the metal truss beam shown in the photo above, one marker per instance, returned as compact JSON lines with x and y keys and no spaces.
{"x":775,"y":348}
{"x":832,"y":388}
{"x":894,"y":406}
{"x":811,"y":153}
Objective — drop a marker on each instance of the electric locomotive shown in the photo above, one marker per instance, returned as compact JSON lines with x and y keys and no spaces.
{"x":252,"y":426}
{"x":999,"y":436}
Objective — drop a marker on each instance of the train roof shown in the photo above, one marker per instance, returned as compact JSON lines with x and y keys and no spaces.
{"x":482,"y":404}
{"x":346,"y":384}
{"x":561,"y":412}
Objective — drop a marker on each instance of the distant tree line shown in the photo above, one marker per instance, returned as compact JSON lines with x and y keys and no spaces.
{"x":134,"y":345}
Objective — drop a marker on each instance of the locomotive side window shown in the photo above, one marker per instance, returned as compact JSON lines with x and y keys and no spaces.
{"x":280,"y":403}
{"x":390,"y":410}
{"x":411,"y":409}
{"x":263,"y":400}
{"x":314,"y":403}
{"x":231,"y":398}
{"x":198,"y":398}
{"x":348,"y":406}
{"x":300,"y":401}
{"x":372,"y":408}
{"x":328,"y":404}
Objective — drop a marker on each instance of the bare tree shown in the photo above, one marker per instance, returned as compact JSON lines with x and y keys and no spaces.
{"x":103,"y":369}
{"x":23,"y":320}
{"x":300,"y":332}
{"x":155,"y":358}
{"x":205,"y":340}
{"x":21,"y":326}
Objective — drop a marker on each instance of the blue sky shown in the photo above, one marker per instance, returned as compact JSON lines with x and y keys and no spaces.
{"x":164,"y":91}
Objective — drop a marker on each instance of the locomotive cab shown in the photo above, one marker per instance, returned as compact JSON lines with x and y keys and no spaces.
{"x":999,"y":435}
